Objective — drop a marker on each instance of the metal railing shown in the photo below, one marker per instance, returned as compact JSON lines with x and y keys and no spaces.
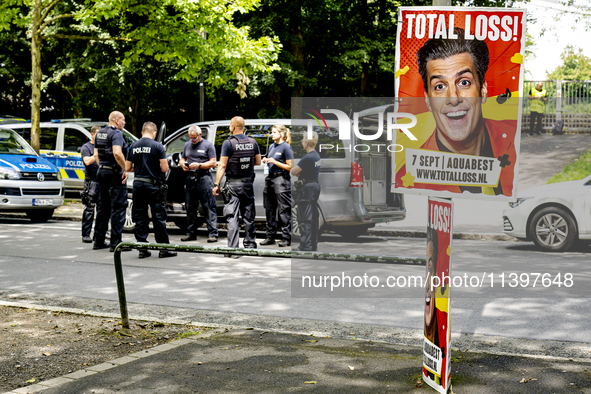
{"x":243,"y":252}
{"x":569,"y":101}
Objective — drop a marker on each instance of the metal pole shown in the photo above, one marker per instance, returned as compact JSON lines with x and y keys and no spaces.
{"x":201,"y":98}
{"x":121,"y":288}
{"x":202,"y":88}
{"x":558,"y":100}
{"x":245,"y":252}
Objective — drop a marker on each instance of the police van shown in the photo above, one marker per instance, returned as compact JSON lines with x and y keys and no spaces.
{"x":355,"y":189}
{"x":9,"y":119}
{"x":28,"y":183}
{"x":60,"y":142}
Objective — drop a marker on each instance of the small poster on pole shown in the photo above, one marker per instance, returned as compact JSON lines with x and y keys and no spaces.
{"x":437,"y":335}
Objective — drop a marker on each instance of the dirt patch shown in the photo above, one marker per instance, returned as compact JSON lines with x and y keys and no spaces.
{"x":40,"y":345}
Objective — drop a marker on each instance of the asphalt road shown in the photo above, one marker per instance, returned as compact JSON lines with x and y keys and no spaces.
{"x":49,"y":259}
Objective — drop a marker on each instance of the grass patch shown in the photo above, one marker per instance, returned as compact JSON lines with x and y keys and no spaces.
{"x":187,"y":334}
{"x":579,"y":169}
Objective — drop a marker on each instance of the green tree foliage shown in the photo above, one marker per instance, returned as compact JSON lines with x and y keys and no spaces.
{"x":575,"y":66}
{"x":15,"y":73}
{"x":337,"y":48}
{"x":169,"y":31}
{"x":330,"y":48}
{"x":145,"y":56}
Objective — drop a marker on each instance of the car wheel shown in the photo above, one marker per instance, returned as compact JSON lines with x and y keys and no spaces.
{"x":295,"y":228}
{"x":40,"y":215}
{"x":553,"y":229}
{"x":129,"y":225}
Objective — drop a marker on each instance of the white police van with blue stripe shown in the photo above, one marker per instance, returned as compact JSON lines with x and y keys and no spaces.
{"x":60,"y":142}
{"x":28,"y":183}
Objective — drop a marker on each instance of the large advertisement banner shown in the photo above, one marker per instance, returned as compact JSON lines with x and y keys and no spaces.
{"x":459,"y":71}
{"x":436,"y":349}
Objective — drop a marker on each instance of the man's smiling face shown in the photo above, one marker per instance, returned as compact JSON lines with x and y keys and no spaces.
{"x":455,"y":97}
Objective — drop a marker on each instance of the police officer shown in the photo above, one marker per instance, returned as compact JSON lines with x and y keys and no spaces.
{"x":147,"y":159}
{"x":109,"y":153}
{"x":306,"y":198}
{"x":237,"y":160}
{"x":197,"y":158}
{"x":91,"y":188}
{"x":537,"y":96}
{"x":277,"y":192}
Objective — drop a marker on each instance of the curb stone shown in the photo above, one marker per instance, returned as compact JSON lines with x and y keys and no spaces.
{"x":371,"y":232}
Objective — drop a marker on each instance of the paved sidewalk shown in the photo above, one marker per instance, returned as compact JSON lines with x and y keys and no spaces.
{"x":243,"y":360}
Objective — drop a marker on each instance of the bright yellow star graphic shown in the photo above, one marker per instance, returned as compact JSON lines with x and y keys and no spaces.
{"x":408,"y":180}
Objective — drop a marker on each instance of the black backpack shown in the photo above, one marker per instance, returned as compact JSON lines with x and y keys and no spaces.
{"x":558,"y":128}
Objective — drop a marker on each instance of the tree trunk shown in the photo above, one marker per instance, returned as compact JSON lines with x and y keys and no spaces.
{"x":36,"y":76}
{"x":297,"y":40}
{"x":363,"y":82}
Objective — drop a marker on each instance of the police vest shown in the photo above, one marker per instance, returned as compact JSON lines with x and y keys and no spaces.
{"x":241,"y":163}
{"x":103,"y":143}
{"x":537,"y":105}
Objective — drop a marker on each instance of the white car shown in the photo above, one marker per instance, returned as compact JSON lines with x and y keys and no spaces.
{"x":553,"y":216}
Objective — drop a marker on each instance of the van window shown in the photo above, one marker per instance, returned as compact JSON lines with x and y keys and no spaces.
{"x":222,"y":133}
{"x":330,"y":136}
{"x":262,"y":135}
{"x":258,"y":132}
{"x":74,"y":139}
{"x":178,"y":144}
{"x":47,"y":140}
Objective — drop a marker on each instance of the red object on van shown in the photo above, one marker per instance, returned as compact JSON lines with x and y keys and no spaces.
{"x":356,"y":175}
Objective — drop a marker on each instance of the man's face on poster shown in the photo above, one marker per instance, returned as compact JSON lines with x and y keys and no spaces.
{"x":455,"y":97}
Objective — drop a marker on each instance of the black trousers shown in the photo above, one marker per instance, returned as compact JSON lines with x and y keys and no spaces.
{"x":146,"y":195}
{"x":91,"y":188}
{"x":112,"y":203}
{"x":277,"y":197}
{"x":535,"y":121}
{"x":199,"y":190}
{"x":308,"y":216}
{"x":241,"y":202}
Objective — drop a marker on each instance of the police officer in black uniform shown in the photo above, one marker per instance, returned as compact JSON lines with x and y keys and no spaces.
{"x":237,"y":160}
{"x":277,"y":193}
{"x":110,"y":151}
{"x":91,"y":188}
{"x":147,"y":159}
{"x":307,"y":195}
{"x":197,"y":158}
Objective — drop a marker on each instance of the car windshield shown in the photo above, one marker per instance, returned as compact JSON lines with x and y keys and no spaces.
{"x":129,"y":138}
{"x":12,"y":143}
